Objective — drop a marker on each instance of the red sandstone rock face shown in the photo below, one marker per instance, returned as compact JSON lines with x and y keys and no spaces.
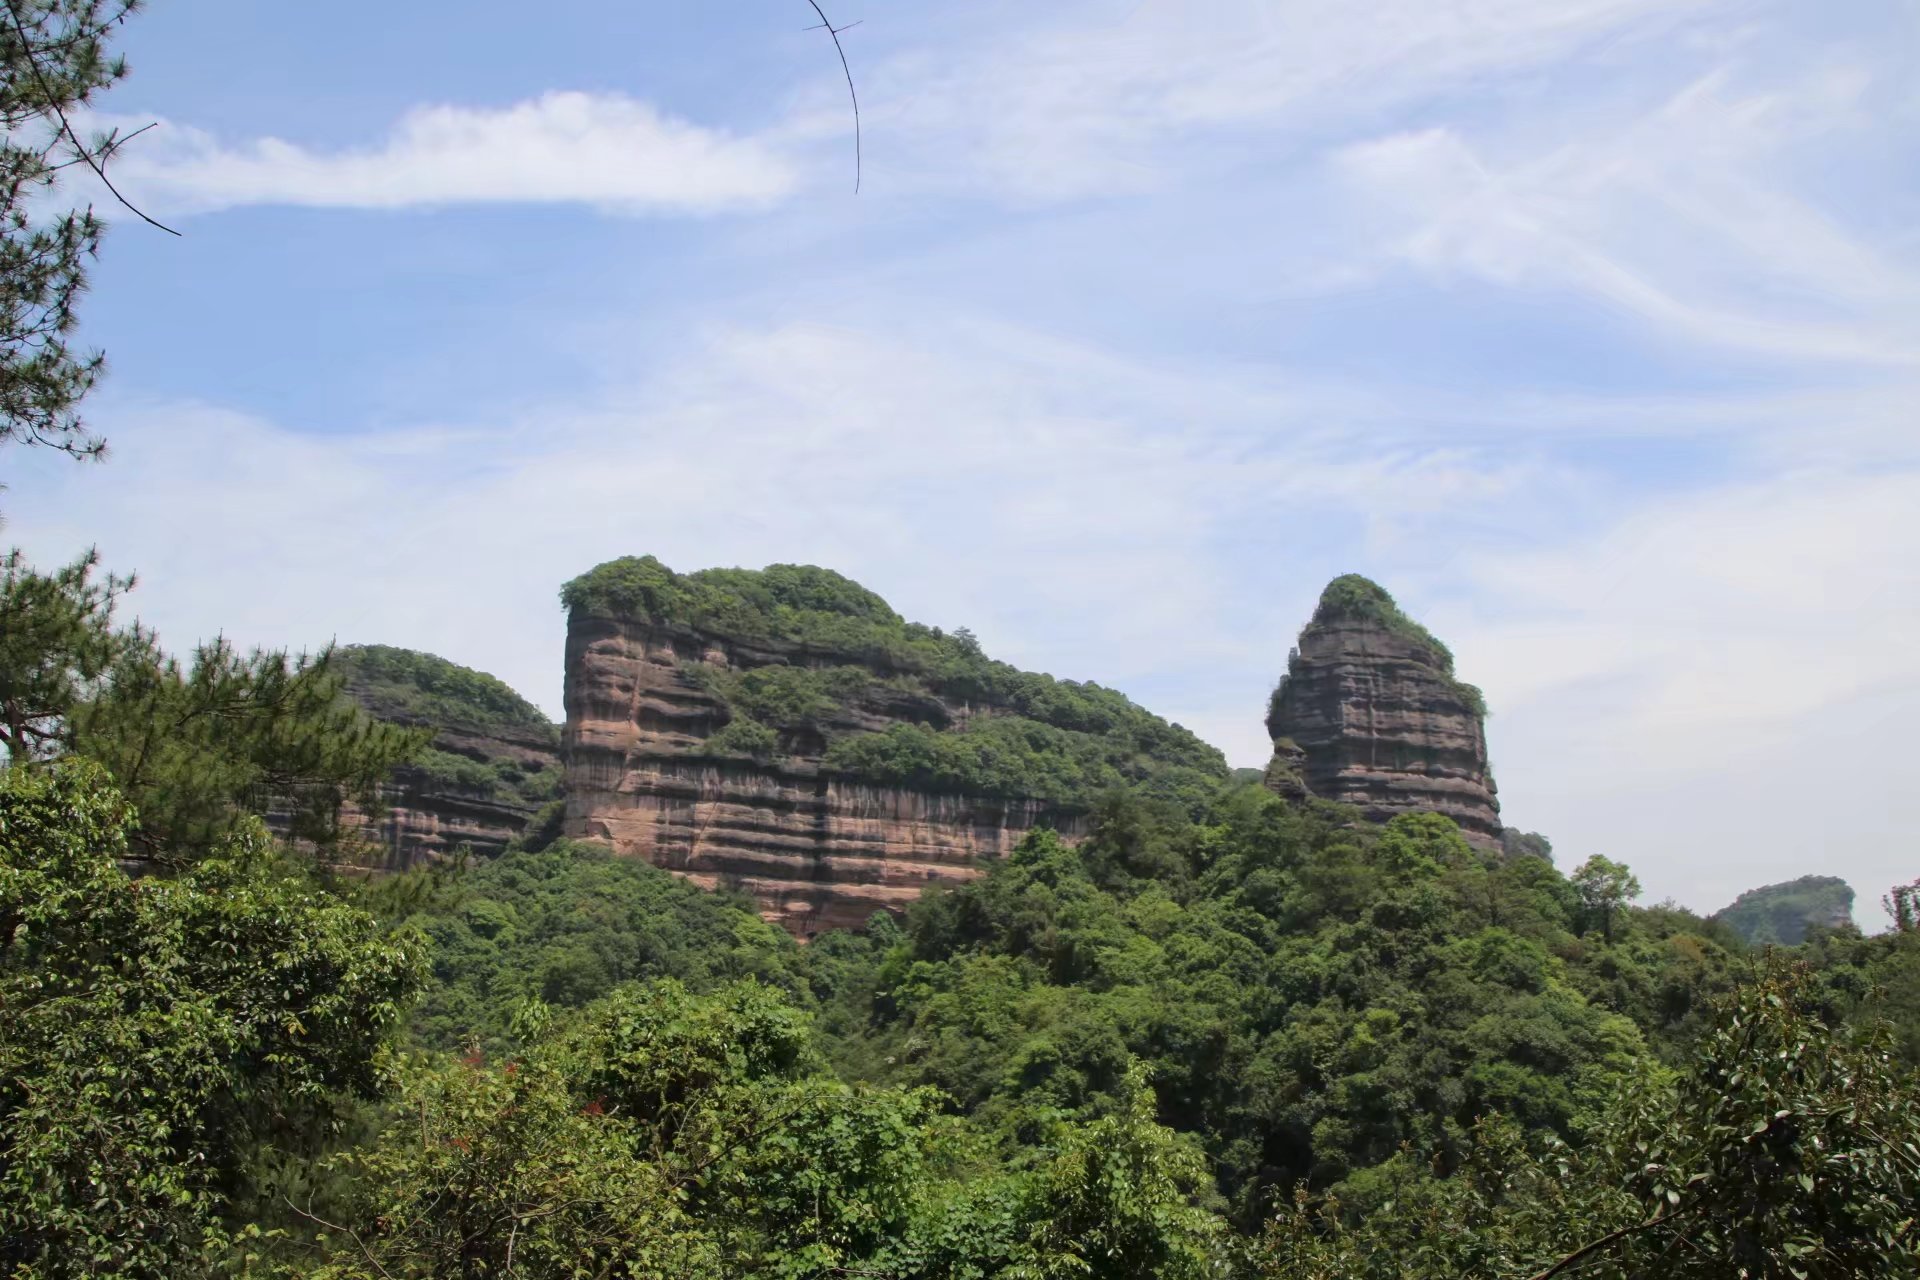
{"x":424,"y":818}
{"x":1378,"y":723}
{"x":816,"y":851}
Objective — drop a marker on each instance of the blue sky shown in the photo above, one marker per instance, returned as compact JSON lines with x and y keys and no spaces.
{"x":1591,"y":328}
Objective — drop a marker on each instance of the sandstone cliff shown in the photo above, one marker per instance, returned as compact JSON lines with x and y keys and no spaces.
{"x":1369,"y":714}
{"x":492,"y":765}
{"x":784,"y":733}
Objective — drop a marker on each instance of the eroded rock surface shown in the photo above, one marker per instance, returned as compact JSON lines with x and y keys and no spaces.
{"x":1370,"y":714}
{"x":427,"y":816}
{"x":814,"y":849}
{"x":492,"y":764}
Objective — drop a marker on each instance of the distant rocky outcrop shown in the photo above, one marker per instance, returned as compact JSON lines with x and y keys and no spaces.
{"x":1515,"y":843}
{"x":1370,"y":714}
{"x":492,"y":764}
{"x":783,"y":732}
{"x":1782,"y":913}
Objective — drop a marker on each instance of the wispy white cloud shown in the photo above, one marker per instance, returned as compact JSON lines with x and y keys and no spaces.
{"x":1717,"y":621}
{"x":1688,"y":218}
{"x":1064,"y":502}
{"x":1102,"y":97}
{"x":608,"y":151}
{"x":1716,"y":686}
{"x":1161,"y":528}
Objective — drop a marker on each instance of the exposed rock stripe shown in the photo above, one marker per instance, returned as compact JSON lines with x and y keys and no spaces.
{"x":815,"y":850}
{"x":1372,"y":717}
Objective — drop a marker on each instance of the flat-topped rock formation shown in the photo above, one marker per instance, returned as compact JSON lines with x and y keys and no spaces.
{"x":1369,"y":713}
{"x":785,"y":733}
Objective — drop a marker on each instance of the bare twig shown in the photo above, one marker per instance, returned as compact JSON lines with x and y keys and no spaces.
{"x":28,"y":52}
{"x":854,"y":97}
{"x":334,"y":1226}
{"x":1658,"y":1220}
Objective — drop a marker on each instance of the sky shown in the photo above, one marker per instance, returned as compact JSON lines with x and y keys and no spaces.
{"x":1589,"y":328}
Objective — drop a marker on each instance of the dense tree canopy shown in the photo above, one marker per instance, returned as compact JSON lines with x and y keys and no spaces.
{"x":567,"y":924}
{"x":1783,"y":1148}
{"x":1259,"y":1040}
{"x":158,"y":1033}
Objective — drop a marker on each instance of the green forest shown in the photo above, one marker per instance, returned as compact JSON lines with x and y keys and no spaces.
{"x":1222,"y":1035}
{"x":1218,"y":1034}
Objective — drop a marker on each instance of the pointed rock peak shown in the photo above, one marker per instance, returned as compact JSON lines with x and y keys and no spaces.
{"x":1352,"y":598}
{"x":1369,"y":714}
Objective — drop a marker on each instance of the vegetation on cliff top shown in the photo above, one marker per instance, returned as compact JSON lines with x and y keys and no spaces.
{"x":407,"y":687}
{"x":1028,"y":735}
{"x":1354,"y":597}
{"x":792,"y":602}
{"x":1782,"y":913}
{"x":410,"y":687}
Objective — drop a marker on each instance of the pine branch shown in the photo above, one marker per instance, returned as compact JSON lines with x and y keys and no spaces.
{"x":81,"y":151}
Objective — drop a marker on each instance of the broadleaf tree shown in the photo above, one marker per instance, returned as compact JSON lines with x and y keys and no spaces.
{"x":159,"y":1033}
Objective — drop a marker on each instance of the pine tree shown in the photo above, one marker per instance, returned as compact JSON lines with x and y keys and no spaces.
{"x":57,"y":643}
{"x":197,"y":747}
{"x":53,"y":61}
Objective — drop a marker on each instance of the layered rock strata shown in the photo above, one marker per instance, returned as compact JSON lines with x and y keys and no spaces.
{"x":1370,"y":714}
{"x":816,"y":850}
{"x":491,"y":765}
{"x":426,"y":816}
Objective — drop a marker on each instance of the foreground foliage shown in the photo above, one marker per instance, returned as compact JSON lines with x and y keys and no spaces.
{"x":1374,"y":1054}
{"x":157,"y":1034}
{"x":1787,"y":1151}
{"x":663,"y":1134}
{"x":198,"y":748}
{"x":54,"y":61}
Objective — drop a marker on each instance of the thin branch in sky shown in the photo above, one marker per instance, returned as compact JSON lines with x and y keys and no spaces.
{"x":93,"y":162}
{"x":834,"y":32}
